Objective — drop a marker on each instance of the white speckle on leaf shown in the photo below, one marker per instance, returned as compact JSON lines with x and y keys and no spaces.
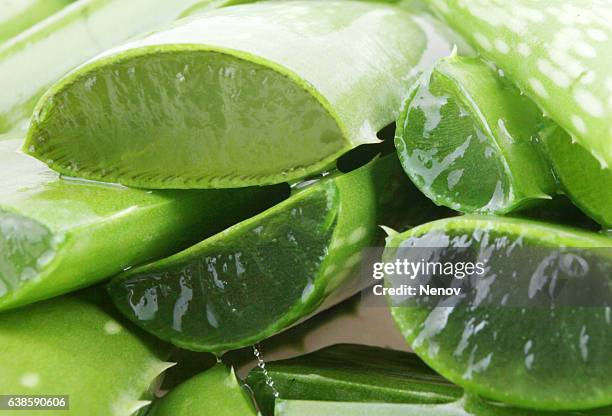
{"x":589,"y":103}
{"x":579,"y":124}
{"x":483,"y":41}
{"x":357,"y":235}
{"x":501,"y":46}
{"x":524,"y":49}
{"x":30,"y":380}
{"x":112,"y":328}
{"x":597,"y":34}
{"x":554,"y":74}
{"x":538,"y":87}
{"x":585,"y":50}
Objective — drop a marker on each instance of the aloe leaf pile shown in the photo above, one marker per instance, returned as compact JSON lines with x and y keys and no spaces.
{"x":206,"y":174}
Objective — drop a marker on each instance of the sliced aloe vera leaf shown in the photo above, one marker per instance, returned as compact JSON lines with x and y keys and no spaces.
{"x":58,"y":235}
{"x":30,"y":63}
{"x":213,"y":392}
{"x":459,"y":408}
{"x":584,"y":181}
{"x":543,"y":357}
{"x":73,"y":346}
{"x":557,"y":52}
{"x":18,"y":15}
{"x":237,"y":96}
{"x":351,"y":373}
{"x":264,"y":274}
{"x":465,"y":137}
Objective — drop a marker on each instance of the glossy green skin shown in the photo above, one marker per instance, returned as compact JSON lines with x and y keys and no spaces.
{"x":464,"y":407}
{"x":264,"y":274}
{"x":556,"y":51}
{"x":58,"y":235}
{"x":465,"y":137}
{"x":557,"y":371}
{"x":73,"y":346}
{"x":352,"y":373}
{"x":216,"y":392}
{"x":584,"y":181}
{"x":238,"y":96}
{"x":31,"y":63}
{"x":18,"y":15}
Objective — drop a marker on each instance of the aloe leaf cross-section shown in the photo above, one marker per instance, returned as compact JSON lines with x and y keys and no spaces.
{"x":73,"y":346}
{"x":266,"y":273}
{"x":466,"y":137}
{"x":244,"y":95}
{"x":522,"y":335}
{"x":35,"y":59}
{"x":58,"y":235}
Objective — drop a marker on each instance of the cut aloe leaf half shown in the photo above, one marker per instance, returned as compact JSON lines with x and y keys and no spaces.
{"x":58,"y":235}
{"x":508,"y":339}
{"x":557,"y":53}
{"x":72,"y":346}
{"x":465,"y":138}
{"x":31,"y":62}
{"x":351,"y":373}
{"x":18,"y":15}
{"x":237,"y":96}
{"x":264,"y":274}
{"x":214,"y":392}
{"x":464,"y":407}
{"x":581,"y":175}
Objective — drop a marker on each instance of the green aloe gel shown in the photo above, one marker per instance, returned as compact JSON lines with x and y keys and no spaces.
{"x":73,"y":346}
{"x":18,"y":15}
{"x":215,"y":392}
{"x":266,"y":273}
{"x":558,"y":54}
{"x":58,"y":235}
{"x":466,"y":137}
{"x":244,"y":95}
{"x":548,"y":356}
{"x":351,"y":373}
{"x":32,"y":62}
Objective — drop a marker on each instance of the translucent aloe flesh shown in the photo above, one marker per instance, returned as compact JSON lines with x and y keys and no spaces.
{"x":32,"y":62}
{"x":73,"y":346}
{"x":214,"y":392}
{"x":557,"y":52}
{"x":466,"y":137}
{"x":57,"y":235}
{"x":580,"y":175}
{"x":464,"y":407}
{"x":543,"y":357}
{"x":18,"y":15}
{"x":250,"y":94}
{"x":351,"y":373}
{"x":264,"y":274}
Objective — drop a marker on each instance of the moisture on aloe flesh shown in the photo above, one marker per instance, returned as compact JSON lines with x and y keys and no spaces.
{"x":220,"y":102}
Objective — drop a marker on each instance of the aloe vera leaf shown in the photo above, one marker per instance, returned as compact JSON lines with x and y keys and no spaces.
{"x":18,"y":15}
{"x":238,"y":96}
{"x":264,"y":274}
{"x":581,"y":176}
{"x":32,"y":62}
{"x":549,"y":358}
{"x":459,"y":408}
{"x":58,"y":235}
{"x":464,"y":137}
{"x":214,"y":392}
{"x":351,"y":373}
{"x":556,"y":51}
{"x":73,"y":346}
